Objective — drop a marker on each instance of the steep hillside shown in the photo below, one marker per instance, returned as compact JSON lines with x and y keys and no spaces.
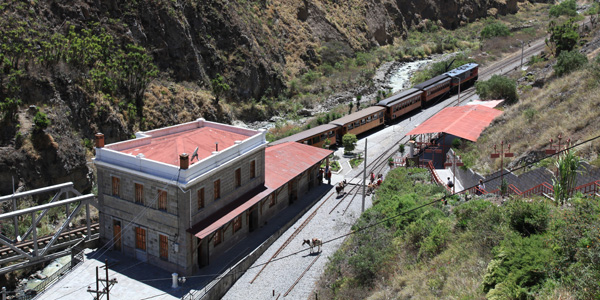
{"x":123,"y":66}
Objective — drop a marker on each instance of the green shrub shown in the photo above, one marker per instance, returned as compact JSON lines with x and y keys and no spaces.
{"x":569,"y":61}
{"x":498,"y":87}
{"x":436,"y":240}
{"x":565,"y":8}
{"x":519,"y":268}
{"x":528,"y":218}
{"x":456,"y":143}
{"x":494,"y":29}
{"x":40,"y":121}
{"x":468,"y":212}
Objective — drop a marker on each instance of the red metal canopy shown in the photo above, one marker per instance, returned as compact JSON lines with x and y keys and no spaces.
{"x":466,"y":122}
{"x":283,"y":163}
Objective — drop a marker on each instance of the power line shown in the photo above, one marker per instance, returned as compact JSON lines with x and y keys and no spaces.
{"x":365,"y":227}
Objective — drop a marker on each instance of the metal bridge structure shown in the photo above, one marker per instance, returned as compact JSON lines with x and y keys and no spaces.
{"x":19,"y":251}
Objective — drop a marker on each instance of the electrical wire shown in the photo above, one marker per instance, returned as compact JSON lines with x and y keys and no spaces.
{"x":438,"y":200}
{"x":358,"y":229}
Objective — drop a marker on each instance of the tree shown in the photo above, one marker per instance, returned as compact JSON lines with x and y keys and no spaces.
{"x":563,"y":37}
{"x":569,"y":61}
{"x":219,"y":87}
{"x":498,"y":87}
{"x":349,"y":141}
{"x":9,"y":107}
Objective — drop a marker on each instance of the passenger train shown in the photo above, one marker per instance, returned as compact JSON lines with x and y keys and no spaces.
{"x":389,"y":109}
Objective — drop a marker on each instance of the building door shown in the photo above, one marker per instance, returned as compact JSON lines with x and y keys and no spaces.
{"x":253,"y":219}
{"x":202,"y":253}
{"x":292,"y":190}
{"x":117,"y":235}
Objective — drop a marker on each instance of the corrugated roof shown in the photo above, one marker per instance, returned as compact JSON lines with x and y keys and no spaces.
{"x":461,"y":69}
{"x":224,"y":215}
{"x":394,"y":98}
{"x":357,"y":115}
{"x":305,"y":134}
{"x":432,"y":81}
{"x":488,"y":103}
{"x":466,"y":121}
{"x":283,"y":162}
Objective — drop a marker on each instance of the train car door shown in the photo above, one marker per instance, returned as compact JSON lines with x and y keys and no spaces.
{"x":117,"y":235}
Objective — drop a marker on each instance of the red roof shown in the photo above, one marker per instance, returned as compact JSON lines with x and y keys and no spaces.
{"x":283,"y":162}
{"x":466,"y":121}
{"x":167,"y":148}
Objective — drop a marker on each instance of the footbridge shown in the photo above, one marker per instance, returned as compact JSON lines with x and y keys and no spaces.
{"x":21,"y":248}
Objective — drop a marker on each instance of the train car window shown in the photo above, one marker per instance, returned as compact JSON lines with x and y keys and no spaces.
{"x":357,"y":124}
{"x":381,"y":114}
{"x":324,"y":136}
{"x":393,"y":116}
{"x":315,"y":140}
{"x":331,"y":133}
{"x":362,"y":122}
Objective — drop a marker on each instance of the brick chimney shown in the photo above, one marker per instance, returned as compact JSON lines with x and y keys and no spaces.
{"x":99,"y":140}
{"x":184,"y":161}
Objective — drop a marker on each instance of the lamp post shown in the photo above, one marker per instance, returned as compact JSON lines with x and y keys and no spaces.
{"x":501,"y":154}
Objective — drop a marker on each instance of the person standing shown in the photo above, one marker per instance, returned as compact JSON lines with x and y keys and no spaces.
{"x":480,"y":187}
{"x":320,"y":177}
{"x":450,"y":183}
{"x":329,"y":176}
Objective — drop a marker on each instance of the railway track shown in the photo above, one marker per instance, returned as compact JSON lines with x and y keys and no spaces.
{"x":66,"y":239}
{"x":289,"y":239}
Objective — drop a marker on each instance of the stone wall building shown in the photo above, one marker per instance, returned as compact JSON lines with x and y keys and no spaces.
{"x":177,"y":210}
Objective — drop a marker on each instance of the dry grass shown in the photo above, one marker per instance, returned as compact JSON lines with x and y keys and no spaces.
{"x":170,"y":103}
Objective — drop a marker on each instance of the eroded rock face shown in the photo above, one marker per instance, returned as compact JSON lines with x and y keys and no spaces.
{"x":256,"y":45}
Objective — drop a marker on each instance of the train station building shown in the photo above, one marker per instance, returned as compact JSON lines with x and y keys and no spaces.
{"x":178,"y":197}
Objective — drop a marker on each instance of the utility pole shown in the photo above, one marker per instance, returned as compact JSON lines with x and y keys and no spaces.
{"x":501,"y":154}
{"x":522,"y":46}
{"x":364,"y":178}
{"x":107,"y":285}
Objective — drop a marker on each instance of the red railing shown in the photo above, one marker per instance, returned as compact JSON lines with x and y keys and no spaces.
{"x":592,"y":188}
{"x":542,"y":189}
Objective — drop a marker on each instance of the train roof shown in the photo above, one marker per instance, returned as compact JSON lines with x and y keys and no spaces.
{"x":432,"y":81}
{"x":304,"y":134}
{"x":357,"y":115}
{"x":462,"y":69}
{"x":399,"y":96}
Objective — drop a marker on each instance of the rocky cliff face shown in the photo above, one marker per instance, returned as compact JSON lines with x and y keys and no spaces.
{"x":258,"y":46}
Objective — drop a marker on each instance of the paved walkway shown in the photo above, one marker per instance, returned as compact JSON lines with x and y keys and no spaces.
{"x":444,"y":174}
